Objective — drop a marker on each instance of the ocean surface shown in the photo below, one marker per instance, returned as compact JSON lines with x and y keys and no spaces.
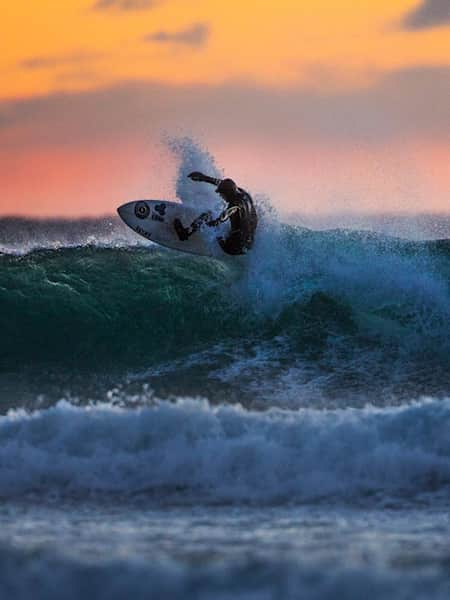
{"x":174,"y":426}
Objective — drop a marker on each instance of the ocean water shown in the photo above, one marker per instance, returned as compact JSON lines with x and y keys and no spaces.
{"x":179,"y":427}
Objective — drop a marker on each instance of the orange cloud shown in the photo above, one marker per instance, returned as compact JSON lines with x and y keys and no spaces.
{"x":194,"y":35}
{"x":46,"y":62}
{"x":125,"y":5}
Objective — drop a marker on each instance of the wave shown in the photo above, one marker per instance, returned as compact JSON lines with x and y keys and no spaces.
{"x":188,"y":451}
{"x":23,"y":572}
{"x":20,"y":236}
{"x":70,"y":305}
{"x":139,"y":306}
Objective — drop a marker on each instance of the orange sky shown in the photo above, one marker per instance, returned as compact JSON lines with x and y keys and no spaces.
{"x":326,"y":105}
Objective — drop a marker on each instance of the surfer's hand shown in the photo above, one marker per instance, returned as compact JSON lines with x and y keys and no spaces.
{"x":196,"y":176}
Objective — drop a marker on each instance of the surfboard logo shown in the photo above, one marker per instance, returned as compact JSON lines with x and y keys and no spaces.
{"x":142,"y":232}
{"x":160,"y":209}
{"x":141,"y":210}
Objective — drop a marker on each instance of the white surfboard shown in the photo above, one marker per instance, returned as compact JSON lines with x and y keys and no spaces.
{"x":153,"y":219}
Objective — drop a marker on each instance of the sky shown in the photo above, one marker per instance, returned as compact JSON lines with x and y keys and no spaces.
{"x":325,"y":106}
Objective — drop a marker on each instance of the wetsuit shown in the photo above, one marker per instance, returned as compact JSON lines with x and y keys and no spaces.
{"x":243,"y":220}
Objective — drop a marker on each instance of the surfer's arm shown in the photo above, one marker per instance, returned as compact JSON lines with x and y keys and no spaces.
{"x":197,"y":176}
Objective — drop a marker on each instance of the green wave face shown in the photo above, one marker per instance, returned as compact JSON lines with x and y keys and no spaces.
{"x":339,"y":302}
{"x":87,"y":305}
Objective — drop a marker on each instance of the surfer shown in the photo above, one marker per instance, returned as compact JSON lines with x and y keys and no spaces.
{"x":240,"y":210}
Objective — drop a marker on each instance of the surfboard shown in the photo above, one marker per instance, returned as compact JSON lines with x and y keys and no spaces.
{"x":154,"y":220}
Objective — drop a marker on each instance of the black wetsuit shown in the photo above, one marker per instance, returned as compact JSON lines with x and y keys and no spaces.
{"x":243,"y":223}
{"x":241,"y":213}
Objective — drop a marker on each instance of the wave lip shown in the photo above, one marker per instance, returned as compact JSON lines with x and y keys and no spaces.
{"x":191,"y":452}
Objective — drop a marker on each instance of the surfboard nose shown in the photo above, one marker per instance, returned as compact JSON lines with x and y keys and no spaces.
{"x":125,"y":211}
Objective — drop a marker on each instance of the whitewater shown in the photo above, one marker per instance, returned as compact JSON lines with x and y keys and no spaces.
{"x":174,"y":426}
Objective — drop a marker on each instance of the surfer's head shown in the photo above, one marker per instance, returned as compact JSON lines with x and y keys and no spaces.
{"x":227,"y":189}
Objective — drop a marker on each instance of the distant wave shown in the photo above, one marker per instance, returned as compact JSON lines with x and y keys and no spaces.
{"x":20,"y":236}
{"x":189,"y":451}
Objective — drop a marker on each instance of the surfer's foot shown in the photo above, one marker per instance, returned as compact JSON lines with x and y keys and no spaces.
{"x":182,"y":232}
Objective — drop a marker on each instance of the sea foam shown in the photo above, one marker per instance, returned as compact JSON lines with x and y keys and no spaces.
{"x":192,"y":452}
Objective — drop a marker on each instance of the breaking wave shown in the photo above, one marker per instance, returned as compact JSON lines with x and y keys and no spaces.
{"x":143,"y":305}
{"x":189,"y":451}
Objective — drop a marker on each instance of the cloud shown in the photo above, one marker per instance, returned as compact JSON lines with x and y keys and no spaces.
{"x":409,"y":103}
{"x":51,"y":61}
{"x":429,"y":13}
{"x":125,"y":5}
{"x":195,"y":35}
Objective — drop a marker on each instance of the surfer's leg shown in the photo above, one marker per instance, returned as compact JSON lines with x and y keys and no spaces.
{"x":229,"y":246}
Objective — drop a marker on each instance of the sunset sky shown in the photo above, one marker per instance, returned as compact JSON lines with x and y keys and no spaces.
{"x":331,"y":105}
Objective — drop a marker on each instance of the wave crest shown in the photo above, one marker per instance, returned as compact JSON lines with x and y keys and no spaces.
{"x":192,"y":452}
